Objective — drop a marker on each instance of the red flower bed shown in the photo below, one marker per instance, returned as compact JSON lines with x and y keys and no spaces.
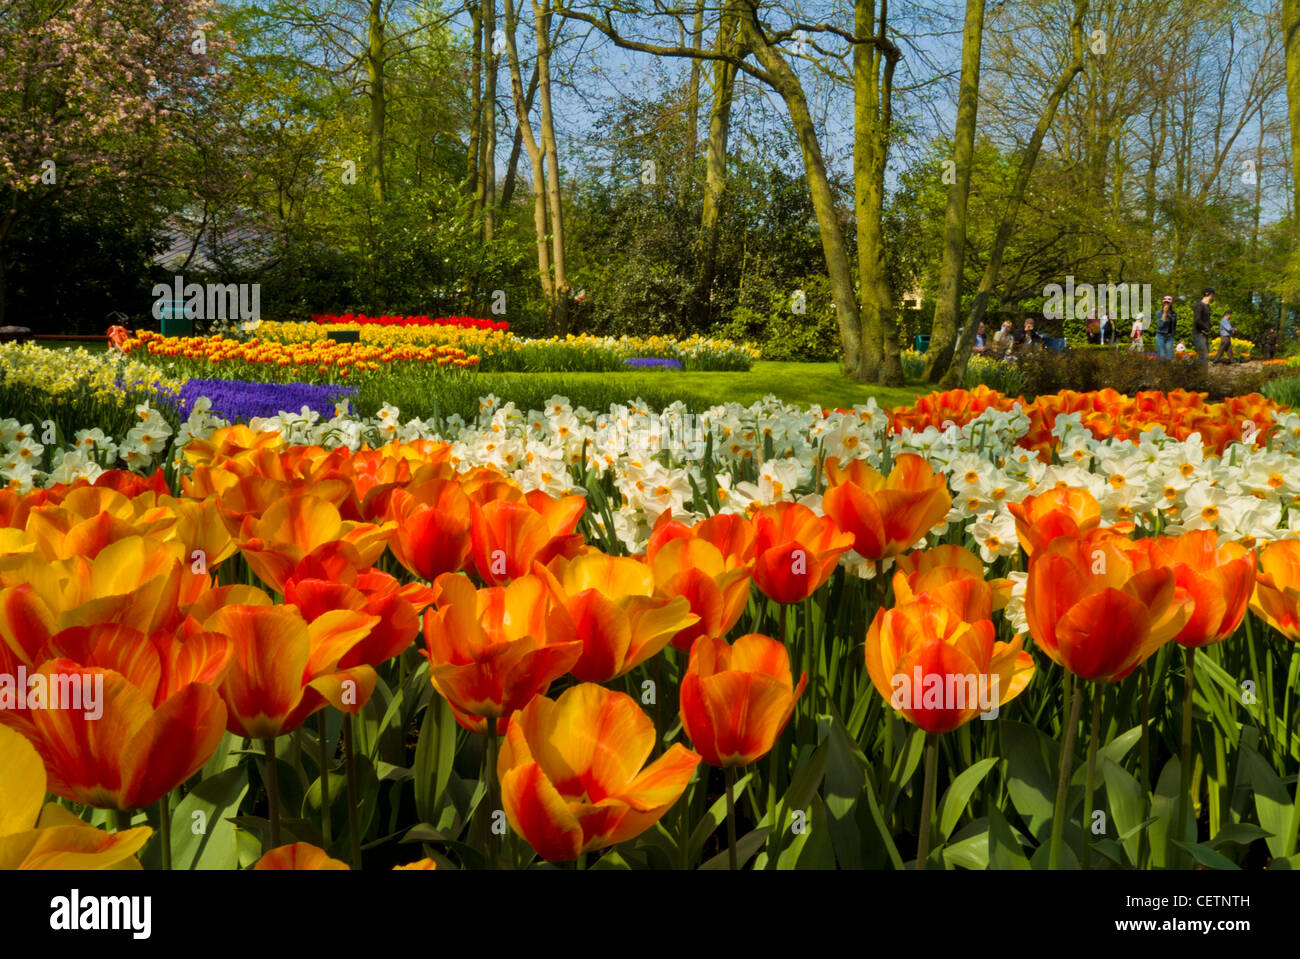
{"x":464,"y":322}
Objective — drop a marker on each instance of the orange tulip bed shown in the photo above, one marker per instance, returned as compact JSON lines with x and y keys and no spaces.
{"x":321,"y":361}
{"x":971,"y":634}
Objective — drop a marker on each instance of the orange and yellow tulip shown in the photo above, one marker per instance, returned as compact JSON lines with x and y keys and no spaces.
{"x":939,"y":670}
{"x":299,"y":856}
{"x":1277,"y":587}
{"x":716,"y":587}
{"x":731,"y":533}
{"x":32,"y":837}
{"x":609,"y":605}
{"x":1063,"y":511}
{"x":293,"y":527}
{"x":155,"y":721}
{"x":795,"y":551}
{"x":433,"y":531}
{"x":573,"y":774}
{"x":284,"y":669}
{"x":1219,"y":581}
{"x":330,"y":579}
{"x":736,"y":699}
{"x":918,"y":571}
{"x":1097,"y":607}
{"x":508,"y":536}
{"x":491,"y":650}
{"x":886,"y":515}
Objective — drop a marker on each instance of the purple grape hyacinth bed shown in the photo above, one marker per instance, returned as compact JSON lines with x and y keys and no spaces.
{"x":653,"y":363}
{"x":239,"y":401}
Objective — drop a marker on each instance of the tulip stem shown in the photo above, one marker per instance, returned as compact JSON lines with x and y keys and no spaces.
{"x":165,"y":829}
{"x":272,"y":792}
{"x":730,"y":773}
{"x":1146,"y":730}
{"x":121,"y":820}
{"x":489,"y":785}
{"x":927,"y":799}
{"x":1067,"y":760}
{"x":1145,"y":752}
{"x":1185,"y":753}
{"x":1093,"y":732}
{"x":326,"y":826}
{"x":659,"y":730}
{"x":354,"y":802}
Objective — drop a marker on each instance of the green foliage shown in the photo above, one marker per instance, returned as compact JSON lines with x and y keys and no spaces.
{"x":1284,"y":390}
{"x":73,"y":260}
{"x":765,"y":315}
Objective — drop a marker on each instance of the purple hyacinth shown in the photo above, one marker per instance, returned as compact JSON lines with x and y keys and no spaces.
{"x":653,"y":362}
{"x":239,"y":401}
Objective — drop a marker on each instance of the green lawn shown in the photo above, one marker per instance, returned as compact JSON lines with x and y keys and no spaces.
{"x":805,"y":383}
{"x":793,"y":382}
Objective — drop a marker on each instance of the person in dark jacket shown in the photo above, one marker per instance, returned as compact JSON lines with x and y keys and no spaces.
{"x":1030,"y":339}
{"x":1166,"y":329}
{"x":1202,"y":325}
{"x":1267,"y":341}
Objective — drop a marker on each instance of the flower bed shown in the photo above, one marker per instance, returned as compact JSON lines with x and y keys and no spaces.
{"x":239,"y":400}
{"x":495,"y":588}
{"x":358,"y":319}
{"x":505,"y":352}
{"x":319,"y":361}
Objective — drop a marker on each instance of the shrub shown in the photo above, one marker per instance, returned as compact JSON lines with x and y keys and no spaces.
{"x":766,"y":317}
{"x":1085,"y":370}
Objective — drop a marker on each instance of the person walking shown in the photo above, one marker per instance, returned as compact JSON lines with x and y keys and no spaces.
{"x":1226,"y":329}
{"x":1202,"y":324}
{"x":1166,"y":329}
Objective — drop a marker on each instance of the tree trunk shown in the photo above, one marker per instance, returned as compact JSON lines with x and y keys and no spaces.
{"x":948,"y":305}
{"x":375,"y":74}
{"x":473,"y":185}
{"x":956,"y":373}
{"x":542,"y":17}
{"x":488,"y":164}
{"x":823,"y":197}
{"x":1291,"y":36}
{"x":693,"y":108}
{"x":715,"y":163}
{"x":534,"y":159}
{"x":878,"y":358}
{"x":1153,"y":166}
{"x":517,"y":147}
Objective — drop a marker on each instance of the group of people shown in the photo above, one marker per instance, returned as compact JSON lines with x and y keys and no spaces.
{"x":1006,"y":341}
{"x":1106,"y":330}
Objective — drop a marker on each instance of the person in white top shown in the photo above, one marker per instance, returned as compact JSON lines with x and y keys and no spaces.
{"x":1138,"y":345}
